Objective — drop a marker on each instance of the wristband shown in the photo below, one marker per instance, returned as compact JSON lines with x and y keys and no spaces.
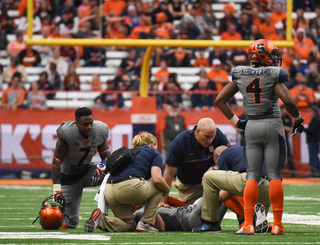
{"x":56,"y":187}
{"x":234,"y":119}
{"x":297,"y":118}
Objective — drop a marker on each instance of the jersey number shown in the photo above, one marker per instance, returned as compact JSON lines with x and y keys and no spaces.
{"x":86,"y":151}
{"x":254,"y":88}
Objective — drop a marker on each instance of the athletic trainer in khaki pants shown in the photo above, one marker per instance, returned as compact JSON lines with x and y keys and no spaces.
{"x":132,"y":185}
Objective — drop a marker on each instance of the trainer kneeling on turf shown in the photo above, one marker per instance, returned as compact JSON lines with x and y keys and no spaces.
{"x":132,"y":185}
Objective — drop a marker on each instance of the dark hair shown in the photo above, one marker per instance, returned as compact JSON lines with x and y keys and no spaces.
{"x":53,"y":66}
{"x":44,"y":73}
{"x":16,"y":74}
{"x":82,"y":112}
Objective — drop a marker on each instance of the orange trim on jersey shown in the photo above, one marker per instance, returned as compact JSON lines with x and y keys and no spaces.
{"x":255,"y":88}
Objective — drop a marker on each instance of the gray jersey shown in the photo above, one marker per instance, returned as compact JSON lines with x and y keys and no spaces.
{"x":80,"y":149}
{"x":257,"y":88}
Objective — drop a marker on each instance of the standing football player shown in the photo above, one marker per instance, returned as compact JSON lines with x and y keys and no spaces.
{"x":72,"y":169}
{"x":261,"y":84}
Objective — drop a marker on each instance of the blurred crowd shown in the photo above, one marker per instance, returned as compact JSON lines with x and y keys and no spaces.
{"x":153,"y":19}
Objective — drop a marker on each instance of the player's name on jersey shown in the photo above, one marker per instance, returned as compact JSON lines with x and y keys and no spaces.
{"x":247,"y":72}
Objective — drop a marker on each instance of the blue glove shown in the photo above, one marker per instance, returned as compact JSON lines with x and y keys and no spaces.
{"x":59,"y":198}
{"x":297,"y":128}
{"x":96,"y":177}
{"x":241,"y":124}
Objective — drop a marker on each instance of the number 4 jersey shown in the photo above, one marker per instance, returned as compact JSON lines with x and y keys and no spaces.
{"x":80,"y":149}
{"x":257,"y":88}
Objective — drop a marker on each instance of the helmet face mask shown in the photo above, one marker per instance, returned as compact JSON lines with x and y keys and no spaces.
{"x":263,"y":53}
{"x":51,"y":215}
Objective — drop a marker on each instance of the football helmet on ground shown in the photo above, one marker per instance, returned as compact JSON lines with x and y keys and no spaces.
{"x":51,"y":215}
{"x":263,"y":52}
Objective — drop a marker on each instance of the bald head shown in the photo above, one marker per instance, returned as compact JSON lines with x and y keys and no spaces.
{"x":218,"y":151}
{"x":205,"y":132}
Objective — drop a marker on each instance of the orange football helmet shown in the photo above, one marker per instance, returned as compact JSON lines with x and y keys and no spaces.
{"x":51,"y":215}
{"x":263,"y":52}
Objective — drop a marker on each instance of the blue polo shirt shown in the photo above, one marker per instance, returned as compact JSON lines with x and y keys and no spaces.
{"x":190,"y":157}
{"x":232,"y":159}
{"x":141,"y":165}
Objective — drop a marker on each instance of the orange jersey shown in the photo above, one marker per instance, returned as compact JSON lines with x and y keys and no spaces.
{"x":226,"y":36}
{"x":286,"y":62}
{"x":302,"y":102}
{"x":266,"y":30}
{"x":213,"y":74}
{"x":278,"y":17}
{"x":135,"y":33}
{"x":29,"y":59}
{"x":116,"y":6}
{"x":162,"y":75}
{"x":303,"y":48}
{"x":201,"y":62}
{"x":18,"y":93}
{"x":55,"y":36}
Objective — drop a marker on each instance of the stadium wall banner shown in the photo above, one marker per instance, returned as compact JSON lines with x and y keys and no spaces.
{"x":28,"y":137}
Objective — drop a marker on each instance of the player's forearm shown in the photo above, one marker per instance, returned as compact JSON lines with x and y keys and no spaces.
{"x":55,"y":172}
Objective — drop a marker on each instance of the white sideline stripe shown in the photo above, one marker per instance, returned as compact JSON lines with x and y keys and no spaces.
{"x":59,"y":235}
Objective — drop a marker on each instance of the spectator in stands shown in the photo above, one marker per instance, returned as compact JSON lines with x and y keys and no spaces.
{"x":255,"y":17}
{"x":95,"y":83}
{"x":218,"y":53}
{"x":239,"y":57}
{"x":287,"y":59}
{"x":121,"y":72}
{"x":228,"y":18}
{"x":306,"y":5}
{"x":3,"y":38}
{"x":313,"y":55}
{"x":302,"y":43}
{"x":16,"y":46}
{"x":196,"y":20}
{"x":177,"y":8}
{"x":8,"y":24}
{"x":54,"y":78}
{"x":315,"y":19}
{"x":300,"y":21}
{"x":313,"y":141}
{"x":109,"y":99}
{"x":115,"y":6}
{"x":255,"y":34}
{"x":179,"y":57}
{"x":244,"y":27}
{"x":209,"y":17}
{"x":62,"y":65}
{"x":317,"y":95}
{"x":163,"y":8}
{"x":313,"y":76}
{"x":210,"y":84}
{"x":302,"y":95}
{"x":129,"y":63}
{"x":65,"y":12}
{"x":67,"y":25}
{"x":45,"y":51}
{"x":143,"y":7}
{"x":71,"y":81}
{"x":69,"y":53}
{"x":29,"y":57}
{"x":315,"y":30}
{"x":202,"y":97}
{"x":14,"y":95}
{"x":12,"y":68}
{"x":133,"y":17}
{"x":46,"y":22}
{"x":201,"y":61}
{"x":125,"y":82}
{"x":218,"y":75}
{"x":154,"y":89}
{"x":56,"y":32}
{"x":267,"y":27}
{"x":84,"y":12}
{"x":142,"y":30}
{"x":161,"y":76}
{"x":85,"y":30}
{"x":164,"y":29}
{"x":279,"y":32}
{"x":43,"y":84}
{"x":22,"y":7}
{"x":171,"y":125}
{"x":278,"y":13}
{"x":173,"y":94}
{"x":45,"y":10}
{"x":36,"y":99}
{"x":23,"y":24}
{"x":231,"y":33}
